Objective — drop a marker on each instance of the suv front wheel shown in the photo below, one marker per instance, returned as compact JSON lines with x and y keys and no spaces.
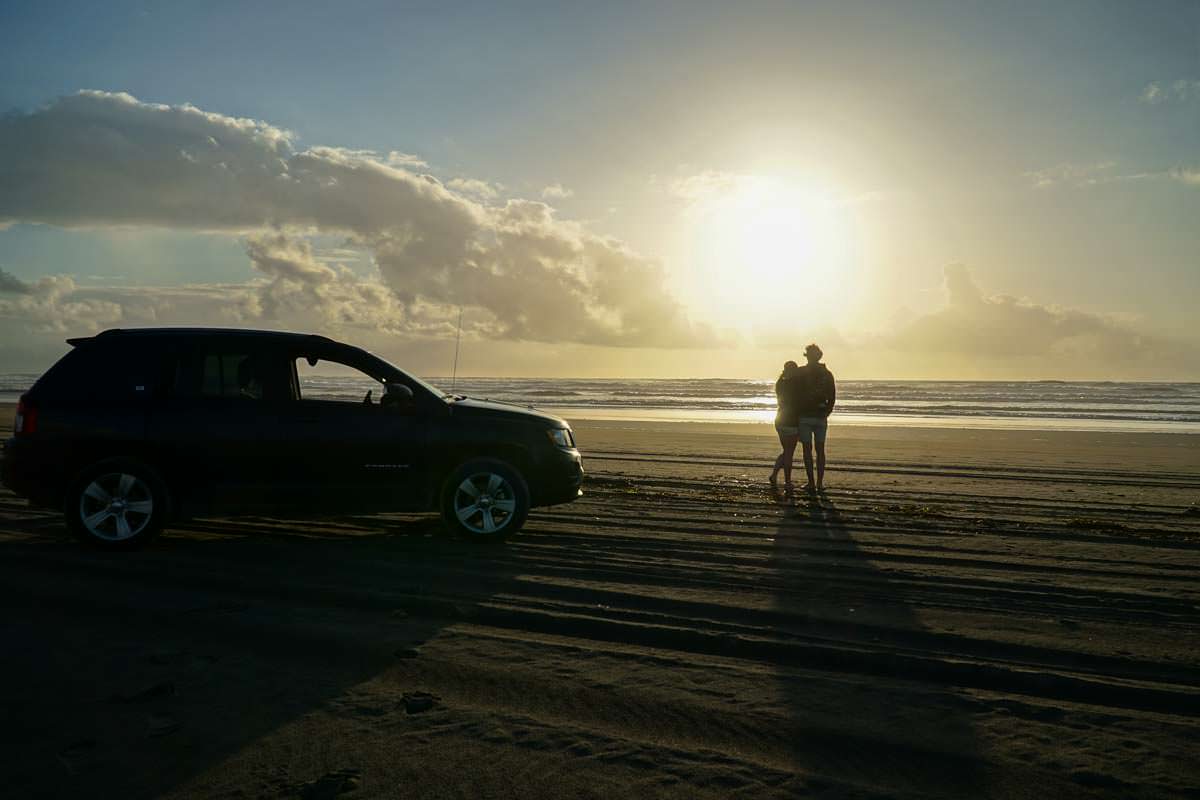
{"x":117,"y":504}
{"x":484,"y":500}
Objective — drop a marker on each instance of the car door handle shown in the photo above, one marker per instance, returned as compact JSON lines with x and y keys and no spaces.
{"x":303,"y":420}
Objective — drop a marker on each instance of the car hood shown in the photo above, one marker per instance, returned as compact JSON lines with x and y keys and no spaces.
{"x":475,"y":407}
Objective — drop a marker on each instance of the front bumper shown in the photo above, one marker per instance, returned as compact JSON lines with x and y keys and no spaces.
{"x":559,"y":479}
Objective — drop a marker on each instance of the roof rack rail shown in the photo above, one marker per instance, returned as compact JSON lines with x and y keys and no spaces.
{"x":185,"y":330}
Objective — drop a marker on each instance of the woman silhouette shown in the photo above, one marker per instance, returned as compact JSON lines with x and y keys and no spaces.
{"x":786,"y":421}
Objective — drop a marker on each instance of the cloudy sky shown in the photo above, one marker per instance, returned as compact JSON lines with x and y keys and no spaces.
{"x":929,"y":190}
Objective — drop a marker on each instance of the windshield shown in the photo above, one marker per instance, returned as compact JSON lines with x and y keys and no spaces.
{"x":390,"y":373}
{"x":429,"y":387}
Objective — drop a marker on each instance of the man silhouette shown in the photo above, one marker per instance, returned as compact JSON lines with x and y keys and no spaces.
{"x":815,"y":402}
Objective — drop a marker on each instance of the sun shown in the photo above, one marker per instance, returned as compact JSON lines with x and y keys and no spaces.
{"x":766,"y":246}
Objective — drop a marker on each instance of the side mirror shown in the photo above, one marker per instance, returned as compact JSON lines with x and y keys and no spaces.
{"x":397,"y":395}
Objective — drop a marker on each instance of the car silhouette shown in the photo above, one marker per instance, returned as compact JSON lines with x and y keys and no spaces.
{"x":133,"y":429}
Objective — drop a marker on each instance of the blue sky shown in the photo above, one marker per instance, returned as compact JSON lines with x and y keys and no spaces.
{"x":1053,"y":149}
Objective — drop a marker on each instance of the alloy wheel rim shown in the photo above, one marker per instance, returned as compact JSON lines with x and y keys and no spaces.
{"x":116,"y":506}
{"x":485,"y":502}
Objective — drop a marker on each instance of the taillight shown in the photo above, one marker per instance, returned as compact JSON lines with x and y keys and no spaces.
{"x":27,"y":417}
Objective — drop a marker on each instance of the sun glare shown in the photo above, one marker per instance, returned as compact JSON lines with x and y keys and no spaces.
{"x":762,"y":245}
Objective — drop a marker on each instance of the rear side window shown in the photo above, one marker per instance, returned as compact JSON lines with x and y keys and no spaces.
{"x":113,"y":371}
{"x":232,"y":375}
{"x":233,"y":369}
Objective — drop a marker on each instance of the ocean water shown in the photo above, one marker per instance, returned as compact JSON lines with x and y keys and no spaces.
{"x":1167,"y":407}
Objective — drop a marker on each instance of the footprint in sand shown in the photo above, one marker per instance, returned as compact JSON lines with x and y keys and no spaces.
{"x":331,"y":785}
{"x":416,"y":702}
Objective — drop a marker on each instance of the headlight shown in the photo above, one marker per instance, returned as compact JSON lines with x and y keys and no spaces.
{"x":561,"y":437}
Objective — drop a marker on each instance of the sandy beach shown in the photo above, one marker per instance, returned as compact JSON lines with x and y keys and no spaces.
{"x":965,"y":613}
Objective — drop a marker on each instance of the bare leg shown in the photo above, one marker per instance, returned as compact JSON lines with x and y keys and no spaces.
{"x":808,"y":462}
{"x":789,"y":453}
{"x":784,"y":460}
{"x":820,"y":466}
{"x":779,"y":458}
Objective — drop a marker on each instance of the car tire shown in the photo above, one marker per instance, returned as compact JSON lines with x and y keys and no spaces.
{"x":485,"y":500}
{"x":117,"y":505}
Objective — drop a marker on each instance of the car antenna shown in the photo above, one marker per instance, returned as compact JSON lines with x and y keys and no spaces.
{"x":457,"y":339}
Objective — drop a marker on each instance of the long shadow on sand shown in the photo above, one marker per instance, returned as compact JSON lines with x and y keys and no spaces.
{"x":861,"y":720}
{"x":126,"y":675}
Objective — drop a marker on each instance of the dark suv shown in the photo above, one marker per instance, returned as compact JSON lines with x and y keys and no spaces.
{"x":134,"y":428}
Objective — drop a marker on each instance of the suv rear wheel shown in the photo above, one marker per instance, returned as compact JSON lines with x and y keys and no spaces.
{"x":485,"y":500}
{"x":117,"y":505}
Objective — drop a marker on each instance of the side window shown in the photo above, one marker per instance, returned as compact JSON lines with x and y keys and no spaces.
{"x":334,"y":381}
{"x":233,"y":375}
{"x":113,"y":372}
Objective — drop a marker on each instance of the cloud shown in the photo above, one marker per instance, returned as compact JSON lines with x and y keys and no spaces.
{"x":295,"y":291}
{"x":977,"y":334}
{"x":1087,"y":175}
{"x":397,"y":159}
{"x":711,"y":191}
{"x":104,"y":159}
{"x":1179,"y":91}
{"x":556,"y":191}
{"x":704,"y":184}
{"x":480,"y":190}
{"x":1067,"y":173}
{"x":287,"y":259}
{"x":303,"y":292}
{"x":1074,"y":174}
{"x":337,"y":255}
{"x":52,"y":304}
{"x":11,"y":284}
{"x":973,"y":335}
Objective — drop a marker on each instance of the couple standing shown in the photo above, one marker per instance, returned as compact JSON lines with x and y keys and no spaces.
{"x":806,"y":396}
